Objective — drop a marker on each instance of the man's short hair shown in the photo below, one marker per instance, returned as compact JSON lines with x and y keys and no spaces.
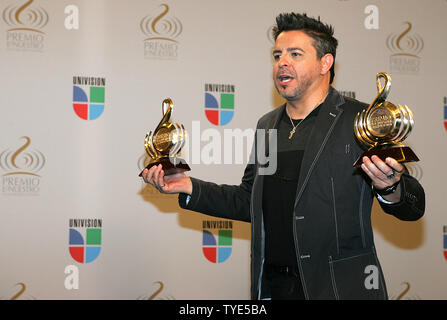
{"x":322,"y":34}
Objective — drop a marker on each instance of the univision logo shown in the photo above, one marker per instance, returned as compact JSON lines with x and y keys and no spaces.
{"x":445,"y":242}
{"x":88,"y":97}
{"x":445,"y":113}
{"x":21,"y":166}
{"x":219,"y":103}
{"x":85,"y":239}
{"x":217,"y":240}
{"x":26,"y":22}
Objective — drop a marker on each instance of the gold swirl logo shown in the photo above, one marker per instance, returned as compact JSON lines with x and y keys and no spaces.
{"x":162,"y":26}
{"x":405,"y":43}
{"x":25,"y":17}
{"x":22,"y":161}
{"x":404,"y":294}
{"x":415,"y":170}
{"x":270,"y":35}
{"x":19,"y":291}
{"x":156,"y":294}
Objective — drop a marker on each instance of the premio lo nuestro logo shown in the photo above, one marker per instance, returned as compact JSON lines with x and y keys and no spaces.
{"x":405,"y":293}
{"x":158,"y":293}
{"x":219,"y":103}
{"x":88,"y":97}
{"x":270,"y":35}
{"x":26,"y":22}
{"x":405,"y":47}
{"x":21,"y":165}
{"x":161,"y":30}
{"x":18,"y":293}
{"x":217,"y":240}
{"x":85,"y":239}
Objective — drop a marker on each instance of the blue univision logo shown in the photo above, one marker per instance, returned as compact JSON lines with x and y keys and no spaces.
{"x":219,"y":103}
{"x":445,"y":113}
{"x":217,"y":240}
{"x":88,"y":106}
{"x":85,"y":244}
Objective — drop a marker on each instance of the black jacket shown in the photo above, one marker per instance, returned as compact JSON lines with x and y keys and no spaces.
{"x":332,"y":217}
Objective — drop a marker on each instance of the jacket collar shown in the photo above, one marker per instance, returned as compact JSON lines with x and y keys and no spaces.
{"x":329,"y":112}
{"x":332,"y":101}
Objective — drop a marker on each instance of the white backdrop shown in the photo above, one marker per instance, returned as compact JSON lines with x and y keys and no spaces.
{"x":57,"y":164}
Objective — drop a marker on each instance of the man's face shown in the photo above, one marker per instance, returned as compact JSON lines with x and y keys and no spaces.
{"x":296,"y":69}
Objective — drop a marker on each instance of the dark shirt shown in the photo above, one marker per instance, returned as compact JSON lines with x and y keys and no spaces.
{"x":280,"y":189}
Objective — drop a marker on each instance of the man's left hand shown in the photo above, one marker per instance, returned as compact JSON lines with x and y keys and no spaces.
{"x":384,"y":174}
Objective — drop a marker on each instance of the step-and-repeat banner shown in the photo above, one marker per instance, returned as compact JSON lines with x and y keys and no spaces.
{"x":83,"y":81}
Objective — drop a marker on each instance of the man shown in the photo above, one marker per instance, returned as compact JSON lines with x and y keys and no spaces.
{"x":311,"y":220}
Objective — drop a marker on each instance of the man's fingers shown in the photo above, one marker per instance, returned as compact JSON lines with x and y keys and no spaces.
{"x":374,"y":169}
{"x":383,"y":167}
{"x":148,"y":175}
{"x":144,"y":174}
{"x":161,"y":181}
{"x":396,"y":166}
{"x":382,"y":173}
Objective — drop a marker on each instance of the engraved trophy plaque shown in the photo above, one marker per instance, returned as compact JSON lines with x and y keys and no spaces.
{"x":382,"y":127}
{"x":165,"y":142}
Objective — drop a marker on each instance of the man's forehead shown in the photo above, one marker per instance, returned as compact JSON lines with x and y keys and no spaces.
{"x":293,"y":39}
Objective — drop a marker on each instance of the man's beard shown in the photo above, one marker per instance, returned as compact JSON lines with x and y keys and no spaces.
{"x":298,"y":93}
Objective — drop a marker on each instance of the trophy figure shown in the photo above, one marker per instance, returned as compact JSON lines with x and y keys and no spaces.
{"x":382,"y":127}
{"x":165,"y":143}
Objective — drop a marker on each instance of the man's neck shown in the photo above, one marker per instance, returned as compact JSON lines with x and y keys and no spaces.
{"x":301,"y":108}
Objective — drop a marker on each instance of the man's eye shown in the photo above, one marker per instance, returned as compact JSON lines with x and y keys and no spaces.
{"x":295,"y":54}
{"x":276,"y":57}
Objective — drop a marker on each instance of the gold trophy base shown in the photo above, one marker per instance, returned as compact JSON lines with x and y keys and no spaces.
{"x":399,"y":153}
{"x":169,"y":165}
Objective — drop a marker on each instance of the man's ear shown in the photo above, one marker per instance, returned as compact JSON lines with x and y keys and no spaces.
{"x":326,"y":63}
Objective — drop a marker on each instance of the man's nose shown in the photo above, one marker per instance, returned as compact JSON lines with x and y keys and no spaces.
{"x":283,"y":61}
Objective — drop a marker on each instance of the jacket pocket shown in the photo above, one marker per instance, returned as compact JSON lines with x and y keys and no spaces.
{"x":357,"y":276}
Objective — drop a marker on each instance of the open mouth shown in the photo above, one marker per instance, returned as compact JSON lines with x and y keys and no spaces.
{"x":284,"y":79}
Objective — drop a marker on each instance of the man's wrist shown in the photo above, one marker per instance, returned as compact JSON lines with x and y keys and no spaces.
{"x":391,"y":197}
{"x":388,"y":190}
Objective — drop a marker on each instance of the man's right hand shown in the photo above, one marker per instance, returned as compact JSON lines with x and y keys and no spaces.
{"x":175,"y":183}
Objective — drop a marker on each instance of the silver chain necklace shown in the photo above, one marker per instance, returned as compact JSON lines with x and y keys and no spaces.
{"x":292,"y":132}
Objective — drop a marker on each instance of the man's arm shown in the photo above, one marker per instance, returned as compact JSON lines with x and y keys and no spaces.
{"x":224,"y":201}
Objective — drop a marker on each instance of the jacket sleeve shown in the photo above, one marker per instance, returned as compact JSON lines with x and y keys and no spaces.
{"x":411,"y":206}
{"x":223,"y":201}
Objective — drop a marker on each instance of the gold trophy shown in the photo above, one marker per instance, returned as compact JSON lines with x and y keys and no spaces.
{"x":382,"y":127}
{"x":165,"y":143}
